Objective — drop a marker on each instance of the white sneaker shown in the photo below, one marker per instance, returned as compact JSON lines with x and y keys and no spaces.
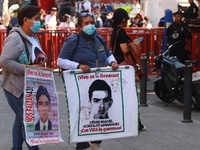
{"x":94,"y":146}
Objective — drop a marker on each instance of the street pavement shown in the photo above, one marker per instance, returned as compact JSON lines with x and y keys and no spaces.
{"x":165,"y":129}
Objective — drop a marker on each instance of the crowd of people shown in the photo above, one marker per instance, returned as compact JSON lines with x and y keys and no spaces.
{"x":102,"y":15}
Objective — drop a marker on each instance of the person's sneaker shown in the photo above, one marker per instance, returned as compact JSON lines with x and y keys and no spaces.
{"x":94,"y":146}
{"x":142,"y":127}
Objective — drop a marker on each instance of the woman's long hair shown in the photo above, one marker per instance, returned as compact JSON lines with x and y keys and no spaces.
{"x":119,"y":16}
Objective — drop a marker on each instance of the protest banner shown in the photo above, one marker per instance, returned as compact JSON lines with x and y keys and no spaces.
{"x":41,"y":114}
{"x":102,"y":104}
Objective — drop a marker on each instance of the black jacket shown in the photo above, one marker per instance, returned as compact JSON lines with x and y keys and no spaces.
{"x":191,"y":12}
{"x":178,"y":32}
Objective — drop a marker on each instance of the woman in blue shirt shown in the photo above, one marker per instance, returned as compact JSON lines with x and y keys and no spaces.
{"x":86,"y":50}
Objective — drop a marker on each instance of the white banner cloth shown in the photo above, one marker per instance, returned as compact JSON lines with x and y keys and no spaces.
{"x":41,"y":114}
{"x":102,"y":104}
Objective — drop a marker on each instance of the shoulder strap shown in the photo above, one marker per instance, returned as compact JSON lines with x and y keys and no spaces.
{"x":77,"y":42}
{"x":99,"y":38}
{"x":76,"y":46}
{"x":26,"y":48}
{"x":115,"y":41}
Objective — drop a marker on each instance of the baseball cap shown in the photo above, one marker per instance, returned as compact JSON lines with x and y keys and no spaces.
{"x":178,"y":13}
{"x":53,"y":8}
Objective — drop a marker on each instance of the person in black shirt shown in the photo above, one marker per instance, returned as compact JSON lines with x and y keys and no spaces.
{"x":119,"y":38}
{"x":119,"y":41}
{"x":192,"y":11}
{"x":177,"y":33}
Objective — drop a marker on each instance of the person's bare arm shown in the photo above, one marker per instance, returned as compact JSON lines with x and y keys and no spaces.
{"x":124,"y":47}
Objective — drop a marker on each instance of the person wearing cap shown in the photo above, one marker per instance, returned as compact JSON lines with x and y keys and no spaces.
{"x":177,"y":33}
{"x":51,"y":19}
{"x":120,"y":40}
{"x":192,"y":11}
{"x":84,"y":51}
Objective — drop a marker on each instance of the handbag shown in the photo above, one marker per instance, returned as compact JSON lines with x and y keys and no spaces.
{"x":135,"y":54}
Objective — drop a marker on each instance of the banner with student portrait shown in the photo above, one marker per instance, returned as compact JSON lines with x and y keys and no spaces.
{"x":102,"y":104}
{"x":41,"y":114}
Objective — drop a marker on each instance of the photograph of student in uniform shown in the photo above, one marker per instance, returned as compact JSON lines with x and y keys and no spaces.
{"x":39,"y":56}
{"x":43,"y":106}
{"x":100,"y":97}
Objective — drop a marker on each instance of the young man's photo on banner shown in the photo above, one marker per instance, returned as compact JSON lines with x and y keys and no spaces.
{"x":41,"y":114}
{"x":100,"y":104}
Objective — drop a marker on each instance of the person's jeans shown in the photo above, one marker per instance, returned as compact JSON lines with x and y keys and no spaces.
{"x":18,"y":132}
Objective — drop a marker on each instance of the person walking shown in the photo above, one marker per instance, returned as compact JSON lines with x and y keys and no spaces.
{"x":120,"y":40}
{"x":18,"y":50}
{"x":84,"y":51}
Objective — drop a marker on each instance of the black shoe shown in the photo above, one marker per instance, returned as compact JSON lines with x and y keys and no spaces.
{"x":82,"y":146}
{"x":142,"y":127}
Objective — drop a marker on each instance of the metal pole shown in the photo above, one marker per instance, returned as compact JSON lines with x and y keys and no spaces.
{"x":143,"y":81}
{"x":187,"y":92}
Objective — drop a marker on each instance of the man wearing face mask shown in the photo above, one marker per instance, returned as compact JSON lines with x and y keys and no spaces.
{"x":18,"y":50}
{"x":83,"y":51}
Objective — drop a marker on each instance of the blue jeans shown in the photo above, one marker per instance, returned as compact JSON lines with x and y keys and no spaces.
{"x":18,"y":132}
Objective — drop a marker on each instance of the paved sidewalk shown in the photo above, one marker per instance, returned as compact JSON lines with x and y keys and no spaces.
{"x":165,"y":131}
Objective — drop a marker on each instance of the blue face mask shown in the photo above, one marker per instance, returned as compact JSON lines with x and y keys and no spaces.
{"x":36,"y":27}
{"x":89,"y":29}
